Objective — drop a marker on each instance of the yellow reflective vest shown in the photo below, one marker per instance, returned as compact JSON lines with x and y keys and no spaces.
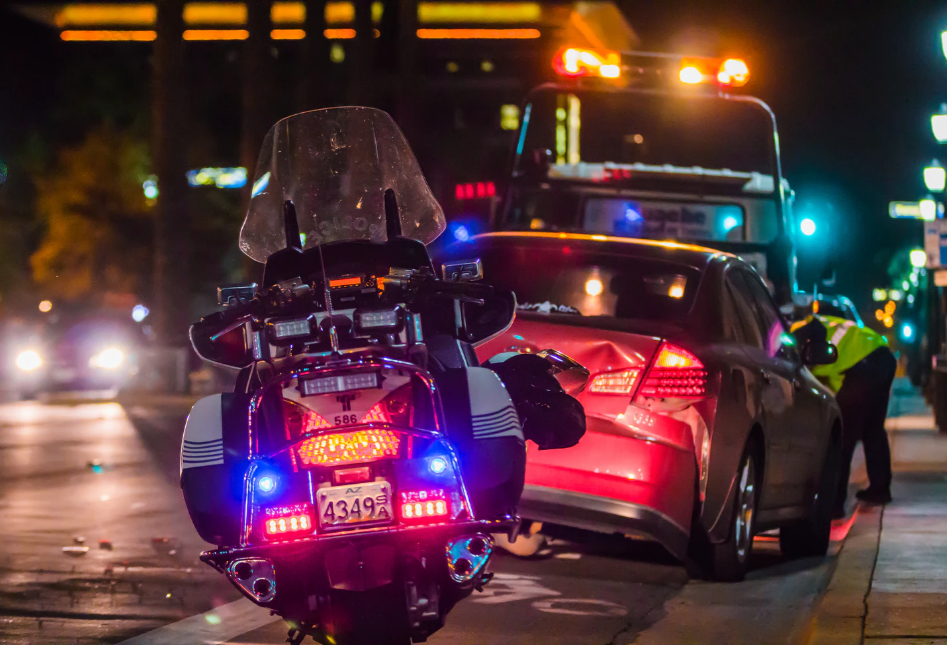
{"x":853,"y":342}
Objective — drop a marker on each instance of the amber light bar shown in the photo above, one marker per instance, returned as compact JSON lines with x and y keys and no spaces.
{"x":216,"y":34}
{"x":101,"y":35}
{"x":478,"y":34}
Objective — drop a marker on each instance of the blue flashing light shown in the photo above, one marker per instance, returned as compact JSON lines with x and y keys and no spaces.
{"x":907,"y":332}
{"x":139,"y":313}
{"x":266,"y":484}
{"x":730,"y":222}
{"x":461,"y":234}
{"x":807,"y":227}
{"x":437,"y":465}
{"x":632,"y":214}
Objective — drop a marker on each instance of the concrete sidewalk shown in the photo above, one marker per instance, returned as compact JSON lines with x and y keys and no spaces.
{"x":890,"y":582}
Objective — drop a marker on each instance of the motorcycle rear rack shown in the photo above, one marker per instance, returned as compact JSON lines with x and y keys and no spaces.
{"x":414,"y":533}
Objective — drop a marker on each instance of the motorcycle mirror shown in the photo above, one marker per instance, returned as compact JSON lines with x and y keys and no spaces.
{"x":572,"y":375}
{"x":235,"y":294}
{"x":463,"y":270}
{"x":819,"y":353}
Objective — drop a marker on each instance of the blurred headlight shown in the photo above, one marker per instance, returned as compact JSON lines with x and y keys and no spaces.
{"x":108,"y":359}
{"x":29,"y":360}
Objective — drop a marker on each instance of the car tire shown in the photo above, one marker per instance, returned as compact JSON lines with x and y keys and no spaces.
{"x":727,"y":561}
{"x":527,"y":544}
{"x":810,"y":537}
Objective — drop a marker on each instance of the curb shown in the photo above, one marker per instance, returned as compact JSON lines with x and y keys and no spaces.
{"x":840,"y":615}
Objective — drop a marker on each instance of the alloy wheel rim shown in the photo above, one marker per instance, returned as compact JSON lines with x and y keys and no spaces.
{"x":746,"y":502}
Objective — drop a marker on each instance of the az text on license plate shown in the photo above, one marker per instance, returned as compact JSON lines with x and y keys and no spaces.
{"x":342,"y":506}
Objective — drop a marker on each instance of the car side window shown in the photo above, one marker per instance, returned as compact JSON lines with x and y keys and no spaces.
{"x":772,"y":326}
{"x":746,"y":317}
{"x":733,"y":327}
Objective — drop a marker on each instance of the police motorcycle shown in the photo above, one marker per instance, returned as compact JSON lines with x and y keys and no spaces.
{"x":354,"y":478}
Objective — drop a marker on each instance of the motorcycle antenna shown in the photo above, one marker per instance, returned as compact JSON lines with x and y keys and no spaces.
{"x":392,"y":218}
{"x":291,"y":226}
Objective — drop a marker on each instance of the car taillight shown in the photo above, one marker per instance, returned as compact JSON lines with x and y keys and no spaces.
{"x":675,"y":374}
{"x":349,"y":447}
{"x":621,"y":382}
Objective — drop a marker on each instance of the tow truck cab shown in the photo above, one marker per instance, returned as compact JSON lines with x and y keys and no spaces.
{"x":650,"y":150}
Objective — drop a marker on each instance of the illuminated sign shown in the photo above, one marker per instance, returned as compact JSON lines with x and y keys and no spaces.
{"x":220,"y":177}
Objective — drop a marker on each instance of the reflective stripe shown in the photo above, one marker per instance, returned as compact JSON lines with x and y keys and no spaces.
{"x":840,"y":332}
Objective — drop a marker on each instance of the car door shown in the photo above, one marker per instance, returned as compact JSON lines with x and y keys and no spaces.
{"x":776,"y":376}
{"x":785,"y":365}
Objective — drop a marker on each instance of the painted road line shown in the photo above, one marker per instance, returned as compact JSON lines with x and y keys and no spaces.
{"x":218,"y":625}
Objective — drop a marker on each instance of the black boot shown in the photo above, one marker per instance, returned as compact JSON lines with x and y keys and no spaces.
{"x":874,"y":496}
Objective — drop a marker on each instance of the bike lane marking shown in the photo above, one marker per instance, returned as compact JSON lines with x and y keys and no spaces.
{"x":218,"y":625}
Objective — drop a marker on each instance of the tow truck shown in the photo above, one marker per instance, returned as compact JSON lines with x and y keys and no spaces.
{"x":657,"y":146}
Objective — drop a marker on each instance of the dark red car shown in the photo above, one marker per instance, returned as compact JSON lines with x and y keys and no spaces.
{"x":704,"y":424}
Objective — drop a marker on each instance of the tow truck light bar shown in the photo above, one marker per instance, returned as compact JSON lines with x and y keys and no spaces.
{"x":574,"y":62}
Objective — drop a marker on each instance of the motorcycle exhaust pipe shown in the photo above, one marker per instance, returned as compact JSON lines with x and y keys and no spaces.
{"x":466,"y":556}
{"x":256,"y":577}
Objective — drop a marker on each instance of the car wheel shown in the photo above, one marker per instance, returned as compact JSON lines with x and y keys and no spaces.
{"x":528,"y":543}
{"x":727,"y":561}
{"x":810,"y":537}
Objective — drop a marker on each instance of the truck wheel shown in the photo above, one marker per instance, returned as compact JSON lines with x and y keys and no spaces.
{"x":810,"y":537}
{"x":727,"y":561}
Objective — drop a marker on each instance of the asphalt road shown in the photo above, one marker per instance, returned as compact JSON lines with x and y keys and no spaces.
{"x":97,"y":548}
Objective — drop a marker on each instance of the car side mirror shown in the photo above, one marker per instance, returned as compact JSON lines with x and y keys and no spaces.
{"x":236,"y":294}
{"x":463,"y":270}
{"x":819,"y":353}
{"x":572,"y":375}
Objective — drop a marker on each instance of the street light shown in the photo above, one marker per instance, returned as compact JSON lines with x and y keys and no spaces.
{"x":935,"y":177}
{"x":918,"y":258}
{"x":939,"y":124}
{"x":928,"y":209}
{"x":807,"y":227}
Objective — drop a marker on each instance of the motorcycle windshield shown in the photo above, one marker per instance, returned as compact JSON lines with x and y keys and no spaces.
{"x":335,"y":166}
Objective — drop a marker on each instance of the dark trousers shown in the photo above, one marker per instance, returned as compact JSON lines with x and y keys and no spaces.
{"x":863,"y":399}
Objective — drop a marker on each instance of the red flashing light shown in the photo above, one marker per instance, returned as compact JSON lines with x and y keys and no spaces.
{"x":675,"y":374}
{"x":570,"y":61}
{"x":423,"y":505}
{"x":620,"y":383}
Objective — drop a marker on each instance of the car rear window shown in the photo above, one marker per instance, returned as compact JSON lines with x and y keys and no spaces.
{"x":569,"y":281}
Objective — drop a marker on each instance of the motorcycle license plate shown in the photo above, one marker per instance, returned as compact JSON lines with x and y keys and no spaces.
{"x":345,"y":506}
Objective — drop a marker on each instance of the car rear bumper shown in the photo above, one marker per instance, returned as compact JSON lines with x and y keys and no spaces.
{"x":617,"y":479}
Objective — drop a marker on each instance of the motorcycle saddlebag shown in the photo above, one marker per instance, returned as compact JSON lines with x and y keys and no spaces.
{"x":214,"y":460}
{"x":483,"y":425}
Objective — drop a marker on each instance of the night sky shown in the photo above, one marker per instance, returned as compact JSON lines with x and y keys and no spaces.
{"x":852,"y":85}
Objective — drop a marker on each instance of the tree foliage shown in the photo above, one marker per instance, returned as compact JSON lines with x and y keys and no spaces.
{"x":98,"y":222}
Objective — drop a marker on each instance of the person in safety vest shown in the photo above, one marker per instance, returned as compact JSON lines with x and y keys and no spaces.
{"x":861,"y":379}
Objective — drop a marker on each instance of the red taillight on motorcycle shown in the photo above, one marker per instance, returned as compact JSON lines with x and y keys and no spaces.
{"x":394,"y":409}
{"x":423,"y":505}
{"x":287,"y":521}
{"x":675,"y":374}
{"x":621,"y":382}
{"x":349,"y":447}
{"x":301,"y":420}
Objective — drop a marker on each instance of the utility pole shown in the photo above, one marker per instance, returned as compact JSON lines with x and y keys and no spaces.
{"x":314,"y":59}
{"x":361,"y":81}
{"x":169,"y":157}
{"x":407,"y":83}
